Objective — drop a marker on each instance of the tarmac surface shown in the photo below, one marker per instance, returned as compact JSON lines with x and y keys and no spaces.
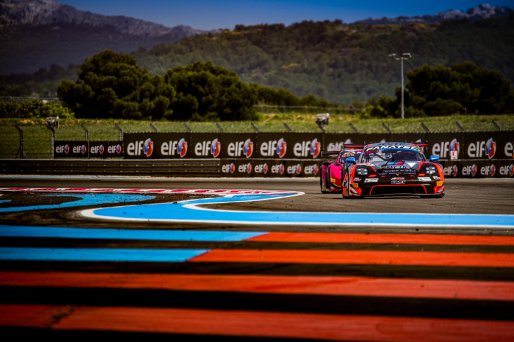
{"x":66,"y":275}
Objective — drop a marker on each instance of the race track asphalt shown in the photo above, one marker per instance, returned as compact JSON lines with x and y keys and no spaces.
{"x":66,"y":276}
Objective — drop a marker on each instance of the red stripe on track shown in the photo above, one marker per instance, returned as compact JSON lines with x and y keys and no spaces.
{"x":424,"y":239}
{"x":324,"y":285}
{"x":262,"y":324}
{"x":358,"y":257}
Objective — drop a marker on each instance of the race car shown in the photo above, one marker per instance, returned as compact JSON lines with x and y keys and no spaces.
{"x":330,"y":175}
{"x":392,"y":168}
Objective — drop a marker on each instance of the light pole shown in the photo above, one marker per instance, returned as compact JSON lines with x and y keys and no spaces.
{"x":403,"y":56}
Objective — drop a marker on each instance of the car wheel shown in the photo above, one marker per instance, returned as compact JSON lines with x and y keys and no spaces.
{"x":323,"y":184}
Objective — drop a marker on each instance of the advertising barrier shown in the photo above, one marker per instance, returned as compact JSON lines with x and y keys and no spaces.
{"x":71,"y":149}
{"x":223,"y":145}
{"x":500,"y":168}
{"x":297,"y":154}
{"x":478,"y":168}
{"x":308,"y":145}
{"x":105,"y":149}
{"x":270,"y":168}
{"x":87,"y":149}
{"x":451,"y":146}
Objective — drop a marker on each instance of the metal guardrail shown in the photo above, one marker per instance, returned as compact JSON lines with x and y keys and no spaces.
{"x":471,"y":168}
{"x":189,"y":167}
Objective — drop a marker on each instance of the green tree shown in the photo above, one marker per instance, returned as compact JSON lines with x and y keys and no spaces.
{"x":206,"y":91}
{"x":33,"y":109}
{"x":111,"y":85}
{"x":461,"y":88}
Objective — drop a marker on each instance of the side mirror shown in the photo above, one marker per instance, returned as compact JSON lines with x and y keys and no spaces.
{"x":350,"y":160}
{"x":434,"y":158}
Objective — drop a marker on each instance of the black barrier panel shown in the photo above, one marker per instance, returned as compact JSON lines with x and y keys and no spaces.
{"x":70,"y":149}
{"x":289,"y":145}
{"x":293,"y":145}
{"x":270,"y":168}
{"x":253,"y":168}
{"x":335,"y":141}
{"x":451,"y":146}
{"x":157,"y":145}
{"x":223,"y":145}
{"x":478,"y":168}
{"x":488,"y":145}
{"x":471,"y":145}
{"x":105,"y":149}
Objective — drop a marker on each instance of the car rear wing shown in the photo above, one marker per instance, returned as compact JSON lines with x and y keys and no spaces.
{"x":353,"y":147}
{"x":329,"y":153}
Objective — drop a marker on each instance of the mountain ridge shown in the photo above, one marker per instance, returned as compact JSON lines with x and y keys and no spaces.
{"x":479,"y":12}
{"x":63,"y":35}
{"x":334,"y":60}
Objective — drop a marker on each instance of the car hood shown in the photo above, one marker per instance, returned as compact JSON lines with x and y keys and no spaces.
{"x":401,"y":167}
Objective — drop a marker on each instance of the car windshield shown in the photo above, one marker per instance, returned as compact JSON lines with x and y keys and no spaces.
{"x":343,"y":155}
{"x":377,"y":155}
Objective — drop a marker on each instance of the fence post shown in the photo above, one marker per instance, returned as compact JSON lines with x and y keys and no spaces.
{"x":255,"y":127}
{"x":51,"y":123}
{"x":387,"y":128}
{"x":120,"y":130}
{"x":353,"y":127}
{"x":460,"y":126}
{"x":425,"y":128}
{"x":21,"y":149}
{"x":85,"y":130}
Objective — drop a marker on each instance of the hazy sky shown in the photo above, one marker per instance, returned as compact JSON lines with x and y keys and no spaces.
{"x":214,"y":14}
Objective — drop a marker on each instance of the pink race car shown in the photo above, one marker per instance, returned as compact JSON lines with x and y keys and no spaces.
{"x":330,"y":175}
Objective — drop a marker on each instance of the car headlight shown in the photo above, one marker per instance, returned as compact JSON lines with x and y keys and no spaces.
{"x":431,"y":170}
{"x":362,"y":171}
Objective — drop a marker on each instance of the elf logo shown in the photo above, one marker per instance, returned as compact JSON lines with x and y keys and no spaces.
{"x":479,"y":148}
{"x":261,"y":168}
{"x":273,"y":147}
{"x":307,"y":148}
{"x":228,"y":168}
{"x":294,"y":169}
{"x":62,"y":149}
{"x":174,"y":147}
{"x":245,"y":168}
{"x":206,"y":148}
{"x":240,"y":148}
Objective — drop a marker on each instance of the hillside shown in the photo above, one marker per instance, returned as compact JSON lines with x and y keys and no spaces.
{"x":36,"y":34}
{"x":342,"y":62}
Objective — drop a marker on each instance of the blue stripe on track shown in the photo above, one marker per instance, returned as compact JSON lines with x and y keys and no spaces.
{"x":124,"y":234}
{"x":81,"y":200}
{"x":98,"y":254}
{"x":191,"y":211}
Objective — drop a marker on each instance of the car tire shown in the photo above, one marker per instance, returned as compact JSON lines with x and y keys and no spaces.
{"x":323,"y":185}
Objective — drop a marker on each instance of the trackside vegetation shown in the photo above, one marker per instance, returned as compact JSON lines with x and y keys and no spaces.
{"x":37,"y":137}
{"x":111,"y":85}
